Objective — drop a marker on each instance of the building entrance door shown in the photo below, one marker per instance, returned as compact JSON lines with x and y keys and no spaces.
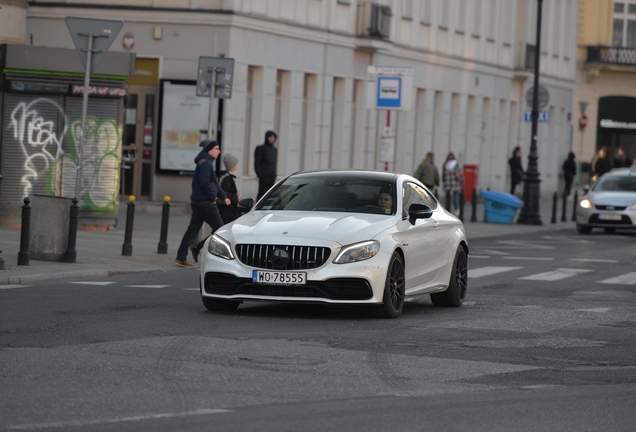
{"x":139,"y":131}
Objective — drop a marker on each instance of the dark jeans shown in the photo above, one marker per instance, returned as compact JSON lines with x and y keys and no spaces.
{"x":264,"y":184}
{"x":208,"y":213}
{"x":513,"y":187}
{"x":568,"y":186}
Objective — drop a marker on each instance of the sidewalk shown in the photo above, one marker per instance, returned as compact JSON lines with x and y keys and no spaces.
{"x":99,"y":252}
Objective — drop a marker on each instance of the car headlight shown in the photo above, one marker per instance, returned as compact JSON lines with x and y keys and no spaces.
{"x":358,"y":252}
{"x":586,"y":204}
{"x":219,"y":247}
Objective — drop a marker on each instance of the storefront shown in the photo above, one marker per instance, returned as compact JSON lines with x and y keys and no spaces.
{"x":617,"y":125}
{"x":41,"y":108}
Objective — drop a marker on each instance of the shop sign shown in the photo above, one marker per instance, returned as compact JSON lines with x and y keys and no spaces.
{"x":613,"y":124}
{"x":12,"y":86}
{"x":104,"y":92}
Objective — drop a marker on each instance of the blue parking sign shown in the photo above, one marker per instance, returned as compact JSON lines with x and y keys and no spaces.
{"x":544,"y":116}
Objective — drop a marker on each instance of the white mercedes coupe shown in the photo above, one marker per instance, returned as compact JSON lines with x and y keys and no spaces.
{"x":338,"y":237}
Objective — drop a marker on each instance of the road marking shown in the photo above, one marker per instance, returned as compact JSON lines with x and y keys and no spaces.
{"x":93,"y":283}
{"x":479,"y":256}
{"x":146,"y":286}
{"x":487,"y":271}
{"x":82,"y":423}
{"x":14,"y":286}
{"x":555,"y":275}
{"x":529,"y":258}
{"x":594,"y":260}
{"x":494,"y":252}
{"x":595,"y":310}
{"x":626,"y":279}
{"x":191,"y":289}
{"x":524,"y":244}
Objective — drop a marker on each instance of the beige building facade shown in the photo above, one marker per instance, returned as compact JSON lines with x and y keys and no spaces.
{"x":606,"y":56}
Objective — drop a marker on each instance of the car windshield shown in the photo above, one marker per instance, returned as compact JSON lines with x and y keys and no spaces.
{"x":615,"y":183}
{"x":332,"y":193}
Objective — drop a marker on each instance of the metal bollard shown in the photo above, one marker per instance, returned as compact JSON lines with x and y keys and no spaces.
{"x":473,"y":216}
{"x":575,"y":203}
{"x":555,"y":197}
{"x":461,"y":205}
{"x":162,"y":248}
{"x":564,"y":208}
{"x":23,"y":255}
{"x":2,"y":267}
{"x":126,"y":248}
{"x":447,"y":201}
{"x":70,"y":256}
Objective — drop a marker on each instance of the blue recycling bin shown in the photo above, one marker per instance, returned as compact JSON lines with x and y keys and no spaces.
{"x":500,"y":207}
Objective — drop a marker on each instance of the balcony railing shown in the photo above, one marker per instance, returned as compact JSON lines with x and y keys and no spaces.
{"x":611,"y":55}
{"x":374,"y":20}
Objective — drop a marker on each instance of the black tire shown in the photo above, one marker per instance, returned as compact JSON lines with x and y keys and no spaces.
{"x":393,"y":299}
{"x":583,"y":229}
{"x":456,"y":292}
{"x":609,"y":230}
{"x":217,"y":305}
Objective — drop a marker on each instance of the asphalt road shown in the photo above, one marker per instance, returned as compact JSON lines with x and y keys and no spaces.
{"x":545,"y":341}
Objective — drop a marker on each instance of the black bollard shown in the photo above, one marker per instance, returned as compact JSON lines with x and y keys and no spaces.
{"x":126,"y":248}
{"x":473,"y":216}
{"x":23,"y":255}
{"x":575,"y":203}
{"x":565,"y":208}
{"x":162,"y":248}
{"x":447,"y":201}
{"x":70,"y":256}
{"x":461,"y":205}
{"x":555,"y":197}
{"x":2,"y":267}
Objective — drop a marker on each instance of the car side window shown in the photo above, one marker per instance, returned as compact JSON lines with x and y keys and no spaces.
{"x":413,"y":194}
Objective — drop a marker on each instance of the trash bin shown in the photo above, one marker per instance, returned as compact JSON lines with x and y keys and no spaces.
{"x":471,"y":174}
{"x":48,"y":236}
{"x":500,"y":207}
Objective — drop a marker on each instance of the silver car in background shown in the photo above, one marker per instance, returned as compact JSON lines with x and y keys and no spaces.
{"x":610,"y":203}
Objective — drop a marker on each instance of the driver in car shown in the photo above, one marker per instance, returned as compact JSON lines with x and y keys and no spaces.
{"x":385,"y":202}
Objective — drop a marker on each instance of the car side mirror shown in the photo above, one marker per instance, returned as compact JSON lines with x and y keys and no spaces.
{"x":419,"y":211}
{"x":245,"y":205}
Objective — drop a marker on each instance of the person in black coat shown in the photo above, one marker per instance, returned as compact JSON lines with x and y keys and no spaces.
{"x":569,"y":171}
{"x":265,"y":160}
{"x":227,"y":182}
{"x":516,"y":169}
{"x":600,"y":164}
{"x":621,"y":160}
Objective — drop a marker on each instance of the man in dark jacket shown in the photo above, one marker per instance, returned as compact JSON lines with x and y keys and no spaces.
{"x":516,"y":169}
{"x":205,"y":191}
{"x":569,"y":172}
{"x":265,"y":159}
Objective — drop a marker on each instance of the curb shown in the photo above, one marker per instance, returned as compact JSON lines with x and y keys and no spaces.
{"x":79,"y":274}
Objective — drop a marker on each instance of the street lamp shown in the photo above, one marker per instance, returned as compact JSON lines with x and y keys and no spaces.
{"x":531,"y":191}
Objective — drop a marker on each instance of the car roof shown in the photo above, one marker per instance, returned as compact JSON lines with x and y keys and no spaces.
{"x":358,"y":174}
{"x":624,"y":171}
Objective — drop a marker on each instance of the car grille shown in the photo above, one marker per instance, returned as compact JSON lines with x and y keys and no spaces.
{"x":299,"y":257}
{"x":334,"y":289}
{"x":609,"y":207}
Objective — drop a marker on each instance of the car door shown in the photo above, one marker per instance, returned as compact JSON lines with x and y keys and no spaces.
{"x":422,"y":241}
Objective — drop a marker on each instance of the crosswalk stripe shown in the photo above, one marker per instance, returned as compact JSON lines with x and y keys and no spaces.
{"x":487,"y":271}
{"x":555,"y":275}
{"x":529,"y":258}
{"x":146,"y":286}
{"x":479,"y":256}
{"x":93,"y":283}
{"x":594,"y":260}
{"x":626,"y":279}
{"x":3,"y":287}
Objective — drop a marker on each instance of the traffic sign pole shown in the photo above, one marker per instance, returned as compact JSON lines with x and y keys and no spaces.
{"x":87,"y":77}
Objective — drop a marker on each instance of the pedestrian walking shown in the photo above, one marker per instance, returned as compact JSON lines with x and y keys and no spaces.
{"x":427,"y":172}
{"x":600,"y":164}
{"x":205,"y":191}
{"x":516,"y":169}
{"x":265,"y":160}
{"x":453,"y":181}
{"x":569,"y":171}
{"x":622,"y":160}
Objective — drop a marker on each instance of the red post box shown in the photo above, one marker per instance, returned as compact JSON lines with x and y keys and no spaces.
{"x":471,"y":174}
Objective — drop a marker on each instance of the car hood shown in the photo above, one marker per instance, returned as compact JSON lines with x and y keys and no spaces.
{"x":613,"y":198}
{"x":272,"y":227}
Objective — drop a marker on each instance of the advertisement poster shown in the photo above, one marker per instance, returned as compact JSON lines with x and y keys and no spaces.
{"x":184,"y":124}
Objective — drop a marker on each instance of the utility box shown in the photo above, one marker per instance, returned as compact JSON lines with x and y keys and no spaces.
{"x":500,"y":207}
{"x":471,"y":175}
{"x":48,"y":236}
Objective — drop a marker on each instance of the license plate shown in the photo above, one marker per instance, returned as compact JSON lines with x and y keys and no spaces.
{"x":279,"y":278}
{"x":610,"y":216}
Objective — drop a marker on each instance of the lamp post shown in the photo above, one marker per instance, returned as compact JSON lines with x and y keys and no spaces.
{"x":531,"y":191}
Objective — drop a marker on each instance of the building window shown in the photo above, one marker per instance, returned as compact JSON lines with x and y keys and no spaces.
{"x":248,"y":118}
{"x":279,"y":91}
{"x":425,"y":11}
{"x":624,"y":24}
{"x":407,"y":9}
{"x":477,"y":19}
{"x":442,"y":14}
{"x":491,"y":31}
{"x":460,"y":26}
{"x":566,"y":29}
{"x":506,"y":24}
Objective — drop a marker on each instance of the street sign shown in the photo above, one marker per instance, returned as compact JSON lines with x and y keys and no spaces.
{"x":544,"y":116}
{"x":103,"y":33}
{"x":389,"y":92}
{"x":583,"y":122}
{"x":544,"y":97}
{"x":219,"y":69}
{"x":389,"y":88}
{"x":583,"y":106}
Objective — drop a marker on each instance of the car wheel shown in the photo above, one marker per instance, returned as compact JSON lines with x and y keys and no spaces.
{"x":393,"y":299}
{"x":213,"y":304}
{"x":609,"y":230}
{"x":456,"y":292}
{"x":583,"y":229}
